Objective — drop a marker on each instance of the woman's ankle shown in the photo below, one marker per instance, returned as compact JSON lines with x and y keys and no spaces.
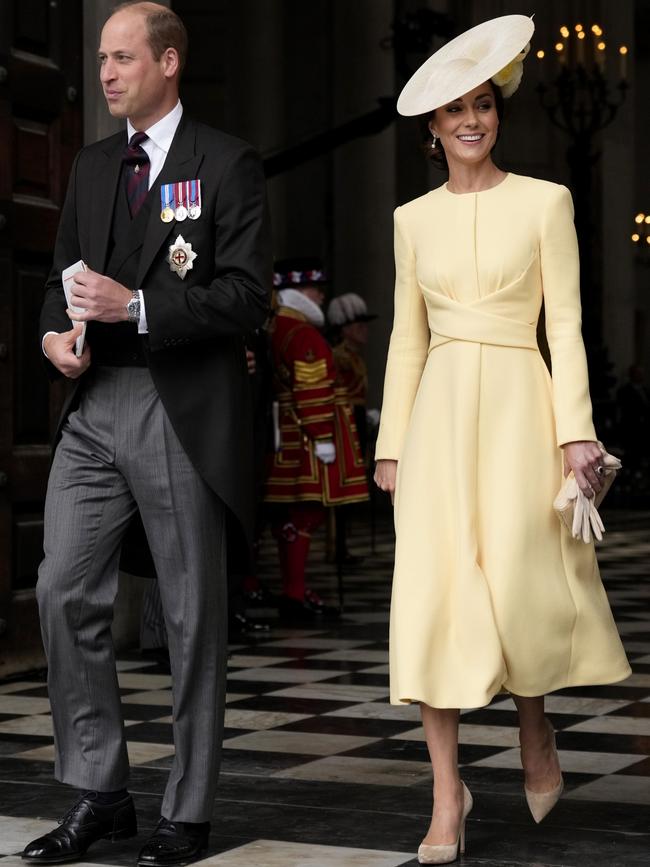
{"x":448,"y":789}
{"x":535,"y":731}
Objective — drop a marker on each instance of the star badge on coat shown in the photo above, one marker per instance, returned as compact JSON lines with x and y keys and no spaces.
{"x":181,"y":257}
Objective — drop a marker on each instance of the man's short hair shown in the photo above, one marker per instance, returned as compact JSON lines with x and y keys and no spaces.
{"x":164,"y":29}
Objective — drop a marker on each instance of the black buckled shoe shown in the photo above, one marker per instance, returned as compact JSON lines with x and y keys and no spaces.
{"x":174,"y":843}
{"x":84,"y":824}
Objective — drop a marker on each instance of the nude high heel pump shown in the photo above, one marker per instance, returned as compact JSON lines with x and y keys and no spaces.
{"x":445,"y":853}
{"x":540,"y":804}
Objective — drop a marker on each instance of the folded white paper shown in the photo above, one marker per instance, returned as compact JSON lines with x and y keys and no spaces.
{"x":68,"y":286}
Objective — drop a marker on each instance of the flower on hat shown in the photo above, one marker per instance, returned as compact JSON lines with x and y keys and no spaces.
{"x":509,"y":78}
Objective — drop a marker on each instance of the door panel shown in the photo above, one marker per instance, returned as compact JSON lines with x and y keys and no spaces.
{"x":40,"y":132}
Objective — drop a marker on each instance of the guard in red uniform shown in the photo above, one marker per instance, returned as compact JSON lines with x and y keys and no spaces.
{"x":348,"y":318}
{"x":318,"y":461}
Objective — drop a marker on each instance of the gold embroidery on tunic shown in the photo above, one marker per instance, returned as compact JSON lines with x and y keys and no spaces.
{"x":310,"y":372}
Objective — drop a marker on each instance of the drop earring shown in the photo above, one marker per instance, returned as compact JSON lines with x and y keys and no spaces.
{"x":433,"y":141}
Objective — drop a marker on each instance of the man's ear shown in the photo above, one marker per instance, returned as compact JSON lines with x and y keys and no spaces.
{"x":171,"y":62}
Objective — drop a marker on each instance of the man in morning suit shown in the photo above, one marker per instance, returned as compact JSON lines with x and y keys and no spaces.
{"x":170,"y":220}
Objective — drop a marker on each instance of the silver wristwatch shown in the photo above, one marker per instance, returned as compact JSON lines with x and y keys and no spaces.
{"x":133,"y":307}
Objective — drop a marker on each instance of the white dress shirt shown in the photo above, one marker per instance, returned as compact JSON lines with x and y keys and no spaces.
{"x":156,"y":147}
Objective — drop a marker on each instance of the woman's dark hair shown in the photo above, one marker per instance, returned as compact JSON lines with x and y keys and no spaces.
{"x":437,"y":155}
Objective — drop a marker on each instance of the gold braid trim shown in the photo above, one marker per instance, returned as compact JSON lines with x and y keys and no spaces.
{"x":310,"y":372}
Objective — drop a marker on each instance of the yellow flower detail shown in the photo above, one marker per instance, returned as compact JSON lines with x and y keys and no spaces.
{"x":509,"y":77}
{"x":504,"y":76}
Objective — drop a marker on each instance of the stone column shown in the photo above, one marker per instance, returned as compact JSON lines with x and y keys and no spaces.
{"x":364,"y":171}
{"x":618,"y":170}
{"x":256,"y":91}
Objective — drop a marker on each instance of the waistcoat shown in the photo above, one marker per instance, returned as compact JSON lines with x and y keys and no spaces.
{"x":118,"y":343}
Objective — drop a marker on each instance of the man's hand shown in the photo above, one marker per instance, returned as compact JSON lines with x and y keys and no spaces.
{"x":60,"y":349}
{"x":103,"y":299}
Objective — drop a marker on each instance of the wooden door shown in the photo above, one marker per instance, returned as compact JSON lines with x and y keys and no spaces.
{"x":40,"y":132}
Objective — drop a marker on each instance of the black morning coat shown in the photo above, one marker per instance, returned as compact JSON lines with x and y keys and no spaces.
{"x":195,"y":346}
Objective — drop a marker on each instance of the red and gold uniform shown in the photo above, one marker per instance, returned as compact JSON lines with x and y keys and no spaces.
{"x":352,"y":374}
{"x":318,"y":461}
{"x":312,"y":409}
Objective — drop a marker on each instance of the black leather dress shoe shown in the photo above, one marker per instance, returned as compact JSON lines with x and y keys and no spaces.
{"x":174,"y":843}
{"x":83,"y":825}
{"x":240,"y":624}
{"x":260,"y":598}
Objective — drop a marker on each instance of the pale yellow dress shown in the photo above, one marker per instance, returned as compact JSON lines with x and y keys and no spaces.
{"x":489,"y":591}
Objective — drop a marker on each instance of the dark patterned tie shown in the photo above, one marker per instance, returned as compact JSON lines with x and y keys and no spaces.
{"x":136,"y":171}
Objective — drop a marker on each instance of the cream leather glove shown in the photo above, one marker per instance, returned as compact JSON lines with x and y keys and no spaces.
{"x":585,"y":516}
{"x":578,"y":513}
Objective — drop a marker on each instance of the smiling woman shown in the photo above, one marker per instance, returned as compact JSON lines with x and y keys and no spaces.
{"x":489,"y":592}
{"x":484,"y":103}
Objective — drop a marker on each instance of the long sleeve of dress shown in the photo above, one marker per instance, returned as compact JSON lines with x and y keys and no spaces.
{"x":407,"y":352}
{"x":561,"y":287}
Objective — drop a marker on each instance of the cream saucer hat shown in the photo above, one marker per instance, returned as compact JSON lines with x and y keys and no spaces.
{"x":492,"y":50}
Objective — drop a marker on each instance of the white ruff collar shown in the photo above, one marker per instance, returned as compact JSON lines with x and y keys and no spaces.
{"x":295,"y":300}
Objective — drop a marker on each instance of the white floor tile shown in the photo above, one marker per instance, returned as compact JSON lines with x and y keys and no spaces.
{"x":376,"y":710}
{"x":615,"y":789}
{"x":568,"y":704}
{"x":308,"y":743}
{"x":362,"y":771}
{"x":16,"y":832}
{"x":23,"y":704}
{"x":616,"y":725}
{"x":258,"y":720}
{"x":28,"y":725}
{"x":275,"y":853}
{"x":570,"y":760}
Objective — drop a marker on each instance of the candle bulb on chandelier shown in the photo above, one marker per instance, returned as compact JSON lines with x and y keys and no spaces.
{"x":581,"y":47}
{"x":622,"y":54}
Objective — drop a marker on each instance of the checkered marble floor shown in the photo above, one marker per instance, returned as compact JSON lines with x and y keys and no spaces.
{"x":319,"y":769}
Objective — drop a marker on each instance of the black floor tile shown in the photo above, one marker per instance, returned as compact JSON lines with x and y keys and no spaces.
{"x":603,"y":743}
{"x":312,"y":706}
{"x":150,"y":733}
{"x":342,"y":725}
{"x":145,"y":711}
{"x":637,"y":708}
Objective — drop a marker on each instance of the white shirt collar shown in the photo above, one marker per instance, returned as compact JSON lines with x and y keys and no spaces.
{"x":162,"y":131}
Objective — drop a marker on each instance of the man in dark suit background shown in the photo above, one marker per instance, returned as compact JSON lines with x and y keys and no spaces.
{"x":159,"y":422}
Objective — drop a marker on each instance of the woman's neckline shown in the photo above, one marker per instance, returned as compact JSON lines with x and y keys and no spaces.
{"x":478,"y":192}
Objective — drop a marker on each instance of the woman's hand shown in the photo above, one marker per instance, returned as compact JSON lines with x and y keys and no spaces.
{"x":584,"y":458}
{"x":385,"y":474}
